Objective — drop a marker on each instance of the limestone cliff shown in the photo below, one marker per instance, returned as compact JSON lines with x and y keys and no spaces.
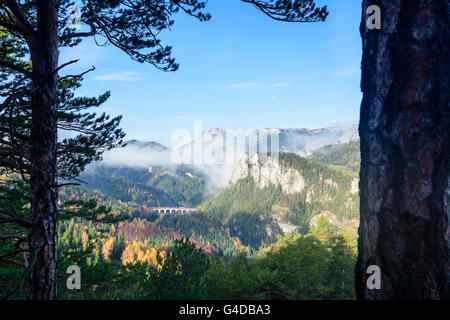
{"x":269,"y":172}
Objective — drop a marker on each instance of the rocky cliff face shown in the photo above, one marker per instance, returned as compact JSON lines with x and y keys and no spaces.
{"x":269,"y":172}
{"x":306,"y":187}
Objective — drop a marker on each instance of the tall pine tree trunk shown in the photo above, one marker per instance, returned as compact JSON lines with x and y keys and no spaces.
{"x":44,"y":216}
{"x":405,"y":151}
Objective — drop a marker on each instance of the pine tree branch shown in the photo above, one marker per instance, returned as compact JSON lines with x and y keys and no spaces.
{"x":24,"y":276}
{"x":10,"y":26}
{"x":64,"y":65}
{"x":77,"y":75}
{"x":11,"y":236}
{"x":14,"y":67}
{"x":13,"y":254}
{"x":24,"y":25}
{"x":91,"y":33}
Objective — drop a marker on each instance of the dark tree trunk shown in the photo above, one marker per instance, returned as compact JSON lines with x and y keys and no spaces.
{"x":44,"y":216}
{"x":405,"y":151}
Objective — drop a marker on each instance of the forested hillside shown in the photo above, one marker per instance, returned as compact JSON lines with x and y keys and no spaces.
{"x":324,"y":269}
{"x":343,"y":157}
{"x":292,"y":191}
{"x":154,"y":186}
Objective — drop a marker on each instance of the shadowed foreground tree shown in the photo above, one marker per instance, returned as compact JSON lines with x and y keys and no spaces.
{"x":405,"y":158}
{"x":91,"y":135}
{"x":132,"y":26}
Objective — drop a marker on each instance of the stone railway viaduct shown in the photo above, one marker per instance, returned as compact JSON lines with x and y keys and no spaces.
{"x":172,"y":210}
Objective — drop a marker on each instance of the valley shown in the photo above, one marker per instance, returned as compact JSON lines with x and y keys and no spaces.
{"x":260,"y":202}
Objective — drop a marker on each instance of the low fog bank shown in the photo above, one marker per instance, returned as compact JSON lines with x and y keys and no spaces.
{"x":138,"y":157}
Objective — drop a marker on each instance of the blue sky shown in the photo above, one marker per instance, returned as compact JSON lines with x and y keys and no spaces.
{"x":238,"y":70}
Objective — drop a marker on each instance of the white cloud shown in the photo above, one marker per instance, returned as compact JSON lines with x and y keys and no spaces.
{"x":143,"y":158}
{"x":135,"y":156}
{"x":122,"y":76}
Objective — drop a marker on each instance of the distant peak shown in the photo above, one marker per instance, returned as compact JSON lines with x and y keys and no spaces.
{"x":148,"y":144}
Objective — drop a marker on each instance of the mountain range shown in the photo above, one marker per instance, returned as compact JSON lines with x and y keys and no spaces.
{"x":303,"y":142}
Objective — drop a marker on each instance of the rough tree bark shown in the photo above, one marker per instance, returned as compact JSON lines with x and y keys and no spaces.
{"x":405,"y":151}
{"x":44,"y":217}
